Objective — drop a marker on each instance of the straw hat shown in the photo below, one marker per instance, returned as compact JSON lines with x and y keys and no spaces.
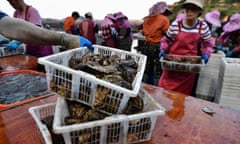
{"x":198,"y":3}
{"x":213,"y":18}
{"x":233,"y":24}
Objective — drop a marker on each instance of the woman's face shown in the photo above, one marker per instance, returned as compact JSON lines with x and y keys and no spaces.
{"x":14,"y":3}
{"x":192,"y":11}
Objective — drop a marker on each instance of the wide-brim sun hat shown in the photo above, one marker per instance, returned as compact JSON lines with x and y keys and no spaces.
{"x":106,"y":22}
{"x":119,"y":15}
{"x":213,"y":18}
{"x":159,"y":7}
{"x":110,"y":16}
{"x":233,"y":24}
{"x":198,"y":3}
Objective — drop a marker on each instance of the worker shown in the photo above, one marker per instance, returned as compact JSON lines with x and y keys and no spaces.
{"x":124,"y":38}
{"x":213,"y":20}
{"x":189,"y":37}
{"x":70,"y":23}
{"x":154,"y":26}
{"x":88,"y":27}
{"x":229,"y":40}
{"x":30,"y":14}
{"x":108,"y":30}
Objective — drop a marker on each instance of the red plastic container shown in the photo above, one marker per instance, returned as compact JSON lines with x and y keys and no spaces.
{"x":7,"y":106}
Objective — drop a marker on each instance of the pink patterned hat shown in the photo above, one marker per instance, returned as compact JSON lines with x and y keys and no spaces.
{"x":119,"y":15}
{"x":213,"y":18}
{"x":233,"y":24}
{"x":110,"y":16}
{"x":159,"y":7}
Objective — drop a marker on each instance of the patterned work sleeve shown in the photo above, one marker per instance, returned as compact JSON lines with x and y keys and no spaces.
{"x":2,"y":14}
{"x":208,"y":41}
{"x":207,"y":46}
{"x":205,"y":32}
{"x":166,"y":41}
{"x":173,"y":30}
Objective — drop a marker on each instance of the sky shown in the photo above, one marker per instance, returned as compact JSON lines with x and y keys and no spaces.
{"x":59,"y":9}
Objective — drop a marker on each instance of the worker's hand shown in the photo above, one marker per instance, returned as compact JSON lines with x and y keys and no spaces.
{"x":219,"y":47}
{"x":4,"y":41}
{"x":85,"y":42}
{"x":229,"y":53}
{"x":161,"y":53}
{"x":205,"y":58}
{"x":14,"y":44}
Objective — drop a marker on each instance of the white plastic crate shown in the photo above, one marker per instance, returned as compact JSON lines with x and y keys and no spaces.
{"x":181,"y":63}
{"x":116,"y":129}
{"x":228,"y":90}
{"x":8,"y":52}
{"x":208,"y":77}
{"x":83,"y":87}
{"x":39,"y":113}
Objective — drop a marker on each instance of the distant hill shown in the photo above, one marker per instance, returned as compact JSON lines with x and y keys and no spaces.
{"x":54,"y":24}
{"x":226,"y":7}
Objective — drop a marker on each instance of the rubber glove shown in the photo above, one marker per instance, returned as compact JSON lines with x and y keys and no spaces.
{"x":85,"y":42}
{"x":4,"y":41}
{"x":161,"y":53}
{"x":229,"y":53}
{"x":205,"y":58}
{"x":14,"y":44}
{"x":219,"y":47}
{"x":114,"y":32}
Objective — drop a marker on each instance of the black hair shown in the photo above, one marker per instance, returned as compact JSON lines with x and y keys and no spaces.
{"x":75,"y":14}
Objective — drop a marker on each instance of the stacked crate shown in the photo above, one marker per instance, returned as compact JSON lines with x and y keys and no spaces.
{"x":209,"y":77}
{"x":83,"y":87}
{"x":79,"y":86}
{"x":228,"y":92}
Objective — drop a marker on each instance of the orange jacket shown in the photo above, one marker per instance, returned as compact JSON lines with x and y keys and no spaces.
{"x":69,"y":23}
{"x":154,"y":27}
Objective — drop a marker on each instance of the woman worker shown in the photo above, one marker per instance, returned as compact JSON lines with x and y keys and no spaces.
{"x":230,"y":37}
{"x":154,"y":26}
{"x":30,"y":14}
{"x":185,"y":37}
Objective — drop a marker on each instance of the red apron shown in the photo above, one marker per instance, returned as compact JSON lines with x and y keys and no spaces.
{"x":186,"y":43}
